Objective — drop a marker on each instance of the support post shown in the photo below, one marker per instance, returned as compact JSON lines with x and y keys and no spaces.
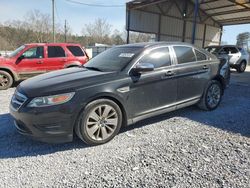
{"x":65,"y":31}
{"x":204,"y":36}
{"x":53,"y":20}
{"x":196,"y":9}
{"x":159,"y":29}
{"x":184,"y":14}
{"x":128,"y":25}
{"x":221,"y":32}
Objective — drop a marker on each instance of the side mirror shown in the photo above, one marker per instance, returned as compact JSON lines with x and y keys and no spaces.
{"x":143,"y":67}
{"x":21,"y":57}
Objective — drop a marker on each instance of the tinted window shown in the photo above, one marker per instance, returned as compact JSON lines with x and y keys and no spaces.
{"x":36,"y":52}
{"x":75,"y":50}
{"x":114,"y":59}
{"x":200,"y":56}
{"x":233,"y":50}
{"x":159,"y":57}
{"x":55,"y":51}
{"x":213,"y":49}
{"x":230,"y":50}
{"x":184,"y":54}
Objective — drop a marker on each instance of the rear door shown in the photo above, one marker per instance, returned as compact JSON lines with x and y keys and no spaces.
{"x":56,"y":58}
{"x":193,"y":73}
{"x":77,"y":54}
{"x":232,"y":53}
{"x":31,"y":62}
{"x":155,"y":90}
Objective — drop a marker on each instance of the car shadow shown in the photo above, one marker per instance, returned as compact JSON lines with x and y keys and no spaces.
{"x":14,"y":145}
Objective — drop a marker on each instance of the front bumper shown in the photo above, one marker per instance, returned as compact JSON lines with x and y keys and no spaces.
{"x":49,"y":124}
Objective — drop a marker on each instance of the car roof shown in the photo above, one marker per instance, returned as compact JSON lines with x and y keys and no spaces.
{"x":220,"y":46}
{"x":52,"y":44}
{"x":153,"y":44}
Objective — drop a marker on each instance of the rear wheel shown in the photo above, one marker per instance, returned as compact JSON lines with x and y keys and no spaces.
{"x":242,"y":67}
{"x":211,"y":97}
{"x":6,"y":80}
{"x":100,"y":121}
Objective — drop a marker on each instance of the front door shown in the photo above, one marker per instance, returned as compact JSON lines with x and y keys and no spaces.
{"x":31,"y":62}
{"x":155,"y":90}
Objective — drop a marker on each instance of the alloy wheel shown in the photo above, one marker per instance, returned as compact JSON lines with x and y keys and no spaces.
{"x":213,"y":95}
{"x":242,"y":66}
{"x":4,"y":81}
{"x":101,"y":123}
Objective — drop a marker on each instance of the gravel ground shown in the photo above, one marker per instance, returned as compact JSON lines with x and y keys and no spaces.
{"x":186,"y":148}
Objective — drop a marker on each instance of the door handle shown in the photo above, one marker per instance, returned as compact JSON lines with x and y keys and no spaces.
{"x":205,"y":67}
{"x":169,"y":73}
{"x":39,"y":62}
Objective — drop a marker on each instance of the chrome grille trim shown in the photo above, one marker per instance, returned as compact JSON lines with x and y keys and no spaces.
{"x":18,"y":100}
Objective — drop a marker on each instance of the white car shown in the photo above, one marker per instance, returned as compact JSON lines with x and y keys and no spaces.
{"x":238,"y":57}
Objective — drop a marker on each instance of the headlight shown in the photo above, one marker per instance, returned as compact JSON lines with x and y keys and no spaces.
{"x":51,"y":100}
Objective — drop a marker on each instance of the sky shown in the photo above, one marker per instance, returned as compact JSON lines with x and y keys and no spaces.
{"x":78,"y":15}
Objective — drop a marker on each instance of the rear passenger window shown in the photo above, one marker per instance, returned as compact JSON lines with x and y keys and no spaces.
{"x":158,"y":57}
{"x":75,"y":50}
{"x":233,"y":50}
{"x":184,"y":54}
{"x":230,"y":50}
{"x":200,"y":56}
{"x":55,"y":51}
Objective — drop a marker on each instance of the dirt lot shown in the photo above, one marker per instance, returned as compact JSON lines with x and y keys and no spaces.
{"x":186,"y":148}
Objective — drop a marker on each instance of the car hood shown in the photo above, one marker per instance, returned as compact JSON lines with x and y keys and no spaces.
{"x":61,"y":81}
{"x":4,"y":59}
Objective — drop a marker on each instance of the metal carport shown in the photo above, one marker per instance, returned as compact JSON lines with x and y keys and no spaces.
{"x":195,"y":21}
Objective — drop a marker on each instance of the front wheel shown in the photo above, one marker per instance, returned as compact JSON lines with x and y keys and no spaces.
{"x":100,"y":121}
{"x":242,"y":67}
{"x":6,"y":80}
{"x":211,"y":97}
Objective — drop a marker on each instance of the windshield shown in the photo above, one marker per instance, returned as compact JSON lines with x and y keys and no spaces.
{"x":14,"y":53}
{"x":213,"y":49}
{"x":114,"y":59}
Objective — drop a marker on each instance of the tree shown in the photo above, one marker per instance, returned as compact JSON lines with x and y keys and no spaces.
{"x":98,"y":32}
{"x":40,"y":24}
{"x":117,"y":38}
{"x":139,"y":37}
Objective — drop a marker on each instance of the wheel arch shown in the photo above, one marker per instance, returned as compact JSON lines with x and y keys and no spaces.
{"x":108,"y":96}
{"x":222,"y":81}
{"x":73,"y":64}
{"x":14,"y":75}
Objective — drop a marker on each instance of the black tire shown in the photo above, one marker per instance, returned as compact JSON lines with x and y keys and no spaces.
{"x":6,"y":80}
{"x":204,"y":103}
{"x":242,"y":67}
{"x":82,"y":129}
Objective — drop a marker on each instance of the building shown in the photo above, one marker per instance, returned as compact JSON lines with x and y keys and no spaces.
{"x":243,"y":40}
{"x":199,"y":22}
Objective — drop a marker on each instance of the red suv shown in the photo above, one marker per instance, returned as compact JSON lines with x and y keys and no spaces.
{"x":33,"y":59}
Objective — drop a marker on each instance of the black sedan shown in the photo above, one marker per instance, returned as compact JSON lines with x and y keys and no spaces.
{"x":117,"y":88}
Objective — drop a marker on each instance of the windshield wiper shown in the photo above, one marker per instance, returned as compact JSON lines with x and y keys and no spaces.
{"x":93,"y":68}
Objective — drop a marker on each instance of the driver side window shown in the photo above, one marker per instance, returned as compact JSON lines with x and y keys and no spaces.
{"x":159,"y":57}
{"x":35,"y":52}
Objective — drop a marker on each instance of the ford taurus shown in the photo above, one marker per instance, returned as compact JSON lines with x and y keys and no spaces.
{"x":117,"y":88}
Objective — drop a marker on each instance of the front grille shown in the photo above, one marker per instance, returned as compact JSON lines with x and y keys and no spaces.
{"x":18,"y":100}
